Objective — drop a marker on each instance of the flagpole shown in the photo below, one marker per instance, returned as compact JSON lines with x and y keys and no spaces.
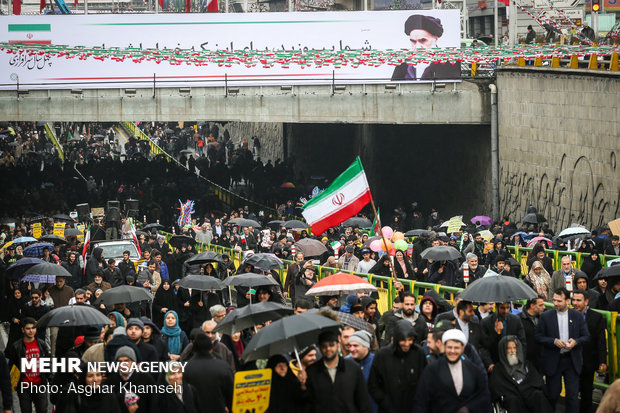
{"x":374,"y":210}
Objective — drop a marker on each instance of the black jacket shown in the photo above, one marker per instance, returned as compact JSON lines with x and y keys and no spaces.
{"x":473,"y":275}
{"x":532,"y":350}
{"x":347,"y":394}
{"x":394,"y":376}
{"x":77,"y":275}
{"x":213,"y":379}
{"x":94,"y":265}
{"x":595,"y":350}
{"x":527,"y":396}
{"x":512,"y":327}
{"x":5,"y":384}
{"x":165,"y":402}
{"x":17,"y":351}
{"x":437,"y":71}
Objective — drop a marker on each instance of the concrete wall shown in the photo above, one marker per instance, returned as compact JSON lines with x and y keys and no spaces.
{"x":270,"y":135}
{"x":559,"y":140}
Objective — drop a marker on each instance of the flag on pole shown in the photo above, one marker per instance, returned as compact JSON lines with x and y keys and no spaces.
{"x":376,"y":229}
{"x":344,"y":198}
{"x":212,"y":6}
{"x":86,"y":244}
{"x":134,"y":236}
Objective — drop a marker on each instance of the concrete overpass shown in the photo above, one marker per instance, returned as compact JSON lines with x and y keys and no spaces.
{"x":467,"y":102}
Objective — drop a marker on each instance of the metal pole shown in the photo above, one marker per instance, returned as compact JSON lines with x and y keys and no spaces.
{"x":496,"y":23}
{"x":85,"y":6}
{"x":494,"y":153}
{"x":512,"y":23}
{"x":594,"y":16}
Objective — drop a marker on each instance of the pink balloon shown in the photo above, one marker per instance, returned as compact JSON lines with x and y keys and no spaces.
{"x":387,"y":232}
{"x":376,"y":245}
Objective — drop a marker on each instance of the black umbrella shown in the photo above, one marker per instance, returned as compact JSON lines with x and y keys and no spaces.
{"x":186,"y":151}
{"x":533,"y":218}
{"x":251,"y":315}
{"x":6,"y":221}
{"x":62,"y":217}
{"x":150,"y":227}
{"x":288,"y":334}
{"x":346,"y":319}
{"x":72,"y":232}
{"x":73,"y":316}
{"x":275,"y":223}
{"x":19,"y":267}
{"x":418,"y":232}
{"x":310,"y":247}
{"x":54,"y":239}
{"x":497,"y":289}
{"x":249,"y":280}
{"x":205,"y":257}
{"x":358,"y":222}
{"x":124,"y":294}
{"x":264,"y":261}
{"x":295,"y":224}
{"x":178,"y":240}
{"x":243,"y":222}
{"x":608,"y":272}
{"x":200,"y":282}
{"x":45,"y":273}
{"x":441,"y":253}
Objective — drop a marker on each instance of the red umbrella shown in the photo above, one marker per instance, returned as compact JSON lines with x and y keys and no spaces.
{"x":340,"y":284}
{"x":287,"y":185}
{"x":536,"y":240}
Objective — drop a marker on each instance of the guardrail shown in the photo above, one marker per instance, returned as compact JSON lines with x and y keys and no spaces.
{"x":520,"y":254}
{"x":49,"y":131}
{"x":385,"y":286}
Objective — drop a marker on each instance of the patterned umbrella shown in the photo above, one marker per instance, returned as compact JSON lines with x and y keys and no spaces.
{"x":341,"y":284}
{"x":36,"y":250}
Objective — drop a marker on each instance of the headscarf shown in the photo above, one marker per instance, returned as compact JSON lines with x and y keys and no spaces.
{"x":120,"y":320}
{"x":173,"y":333}
{"x":540,"y":282}
{"x":518,"y":372}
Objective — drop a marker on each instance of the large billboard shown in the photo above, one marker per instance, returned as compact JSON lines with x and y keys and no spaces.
{"x":113,"y":45}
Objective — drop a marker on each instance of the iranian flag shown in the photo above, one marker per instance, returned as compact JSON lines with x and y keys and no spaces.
{"x":344,"y":198}
{"x":134,"y":236}
{"x":86,"y":244}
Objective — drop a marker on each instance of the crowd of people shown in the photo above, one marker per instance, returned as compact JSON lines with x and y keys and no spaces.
{"x":424,"y":354}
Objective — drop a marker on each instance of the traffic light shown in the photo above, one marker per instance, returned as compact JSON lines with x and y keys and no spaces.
{"x":596,"y":5}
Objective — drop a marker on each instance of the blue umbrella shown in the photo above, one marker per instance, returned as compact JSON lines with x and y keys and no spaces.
{"x":22,"y":240}
{"x":36,"y":250}
{"x":520,"y":233}
{"x":19,"y":267}
{"x":37,"y":278}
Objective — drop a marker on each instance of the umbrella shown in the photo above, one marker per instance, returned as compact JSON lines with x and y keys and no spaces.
{"x":201,"y":282}
{"x":340,"y":284}
{"x":73,"y":316}
{"x":251,"y":315}
{"x":533,"y":218}
{"x":38,"y":218}
{"x":608,"y":272}
{"x":371,"y":239}
{"x":610,"y":263}
{"x":168,"y":131}
{"x":264,"y":261}
{"x":276,"y":222}
{"x":497,"y":289}
{"x":350,"y":320}
{"x":186,"y":151}
{"x":295,"y":224}
{"x":36,"y":250}
{"x":23,"y":240}
{"x":19,"y":267}
{"x":536,"y":240}
{"x":287,"y":185}
{"x":249,"y":279}
{"x":418,"y":232}
{"x":288,"y":334}
{"x":54,"y":239}
{"x":98,"y":136}
{"x":6,"y":221}
{"x":62,"y":217}
{"x":520,"y":233}
{"x":72,"y":232}
{"x":441,"y":253}
{"x":124,"y":294}
{"x":310,"y":247}
{"x":178,"y":240}
{"x":205,"y":257}
{"x":358,"y":222}
{"x":482,"y":220}
{"x":573,"y":231}
{"x":149,"y":227}
{"x":243,"y":222}
{"x":46,"y":269}
{"x":446,"y":223}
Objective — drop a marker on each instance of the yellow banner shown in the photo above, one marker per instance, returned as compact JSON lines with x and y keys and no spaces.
{"x":59,"y":229}
{"x":82,"y":228}
{"x":36,"y":230}
{"x":251,"y":391}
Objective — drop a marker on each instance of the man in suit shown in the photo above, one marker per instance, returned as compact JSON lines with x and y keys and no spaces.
{"x":497,"y":326}
{"x":558,"y":279}
{"x":529,"y":319}
{"x":472,"y":330}
{"x":594,"y":351}
{"x":562,"y":333}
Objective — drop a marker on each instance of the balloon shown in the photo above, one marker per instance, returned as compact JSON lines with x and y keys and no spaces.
{"x":398,"y":236}
{"x":387,"y":246}
{"x":376,"y":245}
{"x":387,"y":232}
{"x":401,"y":245}
{"x":392,"y":252}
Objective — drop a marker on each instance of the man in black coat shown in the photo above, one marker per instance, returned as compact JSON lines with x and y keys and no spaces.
{"x":396,"y":370}
{"x":5,"y":385}
{"x":497,"y":326}
{"x":594,"y":351}
{"x":335,"y":384}
{"x":35,"y":309}
{"x":95,"y":264}
{"x":212,"y":377}
{"x":472,"y":330}
{"x":452,"y":383}
{"x":529,"y":319}
{"x":140,"y":380}
{"x":476,"y":271}
{"x":73,"y":266}
{"x":134,"y":329}
{"x":562,"y":333}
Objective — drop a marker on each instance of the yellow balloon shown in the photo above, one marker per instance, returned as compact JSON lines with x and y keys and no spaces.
{"x":398,"y":235}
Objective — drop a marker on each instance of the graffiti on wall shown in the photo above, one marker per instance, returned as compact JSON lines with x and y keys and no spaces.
{"x":572,"y":193}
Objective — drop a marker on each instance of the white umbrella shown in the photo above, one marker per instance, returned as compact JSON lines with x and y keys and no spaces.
{"x":573,"y":231}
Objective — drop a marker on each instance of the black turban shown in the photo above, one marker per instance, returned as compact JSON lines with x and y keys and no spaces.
{"x":428,"y":23}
